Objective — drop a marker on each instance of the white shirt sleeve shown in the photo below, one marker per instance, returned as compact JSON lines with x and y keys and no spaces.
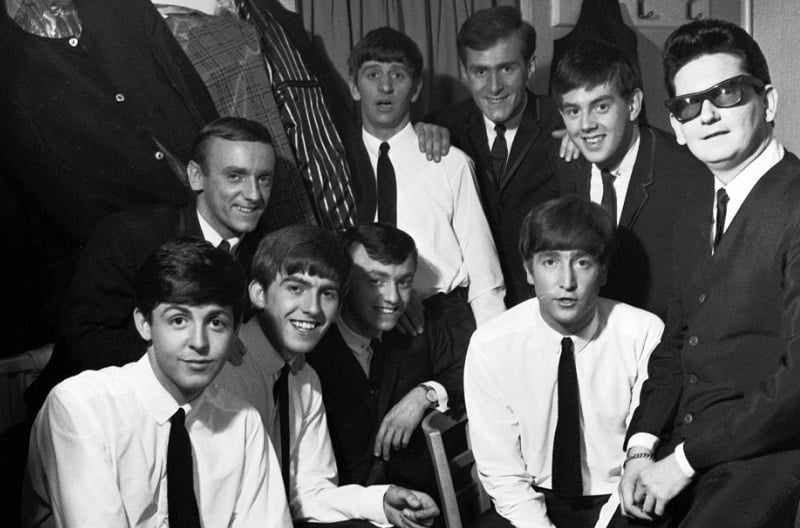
{"x":486,"y":285}
{"x":262,"y":499}
{"x":69,"y":468}
{"x":494,"y":433}
{"x":315,"y":496}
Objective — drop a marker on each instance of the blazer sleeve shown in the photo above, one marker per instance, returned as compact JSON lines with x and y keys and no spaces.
{"x":447,"y":366}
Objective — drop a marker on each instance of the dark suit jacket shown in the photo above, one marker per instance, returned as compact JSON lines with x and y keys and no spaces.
{"x":665,"y":175}
{"x":726,"y":377}
{"x":528,"y":177}
{"x":354,"y":414}
{"x":96,"y":327}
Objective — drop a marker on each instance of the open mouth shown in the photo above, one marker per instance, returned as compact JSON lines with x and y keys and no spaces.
{"x":385,"y":310}
{"x":593,"y":140}
{"x":304,"y":326}
{"x":246,"y":210}
{"x":496,"y":100}
{"x":567,"y":302}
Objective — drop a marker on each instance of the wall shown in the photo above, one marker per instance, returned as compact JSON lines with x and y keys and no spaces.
{"x":775,"y":28}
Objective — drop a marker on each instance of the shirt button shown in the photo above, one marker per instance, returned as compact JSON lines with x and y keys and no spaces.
{"x":692,"y":378}
{"x":119,"y":98}
{"x":702,"y":298}
{"x":73,"y":42}
{"x":693,"y":340}
{"x":159,"y":155}
{"x":688,"y":418}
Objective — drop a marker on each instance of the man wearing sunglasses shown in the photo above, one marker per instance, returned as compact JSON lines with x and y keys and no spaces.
{"x":715,"y":439}
{"x":637,"y":173}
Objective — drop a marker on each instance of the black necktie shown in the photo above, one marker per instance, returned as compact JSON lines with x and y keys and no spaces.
{"x":499,"y":153}
{"x":609,"y":201}
{"x":567,"y":480}
{"x":224,"y":246}
{"x":387,"y":188}
{"x":722,"y":209}
{"x":280,"y":394}
{"x":181,"y":502}
{"x":375,"y":363}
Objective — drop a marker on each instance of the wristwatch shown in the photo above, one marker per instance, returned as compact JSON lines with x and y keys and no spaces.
{"x":430,"y":395}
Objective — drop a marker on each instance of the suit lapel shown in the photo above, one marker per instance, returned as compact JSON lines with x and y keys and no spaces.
{"x":476,"y":131}
{"x":189,"y":224}
{"x":527,"y":134}
{"x":641,"y":178}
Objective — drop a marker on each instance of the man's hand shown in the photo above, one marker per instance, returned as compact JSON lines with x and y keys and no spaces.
{"x":399,"y":423}
{"x":236,"y":352}
{"x":568,"y":150}
{"x":661,"y":482}
{"x":630,"y":490}
{"x":434,"y":140}
{"x":413,"y":320}
{"x":409,"y":509}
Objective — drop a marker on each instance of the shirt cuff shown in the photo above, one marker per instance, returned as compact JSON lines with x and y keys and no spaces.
{"x":683,"y":463}
{"x":488,"y":304}
{"x":441,"y":395}
{"x":646,"y":440}
{"x":371,"y":504}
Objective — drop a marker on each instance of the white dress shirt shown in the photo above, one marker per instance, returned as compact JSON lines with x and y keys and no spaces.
{"x":211,"y":236}
{"x":622,"y":178}
{"x":313,"y":495}
{"x":98,"y":455}
{"x":738,"y":189}
{"x":511,"y":130}
{"x":511,"y":392}
{"x":438,"y":205}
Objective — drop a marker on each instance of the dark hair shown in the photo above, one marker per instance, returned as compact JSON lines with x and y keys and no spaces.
{"x":192,"y":272}
{"x":230,"y":128}
{"x":592,"y":63}
{"x":383,"y":242}
{"x":565,"y":224}
{"x":708,"y":36}
{"x":301,"y":249}
{"x":484,"y":28}
{"x":386,"y":45}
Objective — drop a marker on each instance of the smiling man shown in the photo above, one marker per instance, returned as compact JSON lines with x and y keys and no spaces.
{"x":231,"y":173}
{"x":378,"y":383}
{"x":639,"y":174}
{"x":505,"y":129}
{"x":551,"y":384}
{"x":151,"y":443}
{"x":298,"y":276}
{"x":459,"y":277}
{"x":715,"y":439}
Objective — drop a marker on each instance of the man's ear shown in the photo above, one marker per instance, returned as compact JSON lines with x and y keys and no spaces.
{"x":142,"y":325}
{"x":676,"y":127}
{"x":417,"y":90}
{"x":257,"y":295}
{"x":531,"y":67}
{"x":354,"y":93}
{"x":604,"y":276}
{"x":635,"y":104}
{"x":771,"y":102}
{"x":195,"y":174}
{"x":528,"y":265}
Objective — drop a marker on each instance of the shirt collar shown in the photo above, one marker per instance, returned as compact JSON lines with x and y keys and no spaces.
{"x":743,"y":183}
{"x":157,"y":401}
{"x":580,"y":340}
{"x":625,"y":167}
{"x":511,"y":126}
{"x":354,"y":341}
{"x":256,"y":342}
{"x":210,"y":234}
{"x":373,"y":144}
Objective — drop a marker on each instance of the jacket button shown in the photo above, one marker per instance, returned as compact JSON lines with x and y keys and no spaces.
{"x":692,"y":378}
{"x":119,"y":98}
{"x":693,"y":341}
{"x":688,"y":418}
{"x":73,"y":42}
{"x":702,"y":298}
{"x":159,"y":155}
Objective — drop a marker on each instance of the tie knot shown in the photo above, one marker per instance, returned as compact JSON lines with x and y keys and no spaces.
{"x":566,"y":345}
{"x":607,"y":174}
{"x":500,"y":129}
{"x":384,"y":148}
{"x":375,"y":344}
{"x":224,"y":246}
{"x":722,"y":196}
{"x":178,"y":418}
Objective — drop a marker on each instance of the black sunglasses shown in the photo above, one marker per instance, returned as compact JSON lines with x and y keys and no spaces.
{"x":726,"y":94}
